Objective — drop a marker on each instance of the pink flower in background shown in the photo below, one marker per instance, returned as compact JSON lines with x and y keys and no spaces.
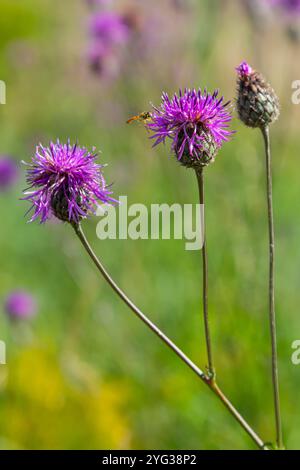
{"x":9,"y":172}
{"x":131,"y":31}
{"x":97,"y":54}
{"x":109,"y":32}
{"x":261,"y":9}
{"x":20,"y":305}
{"x":291,"y":7}
{"x":109,"y":28}
{"x":288,"y":11}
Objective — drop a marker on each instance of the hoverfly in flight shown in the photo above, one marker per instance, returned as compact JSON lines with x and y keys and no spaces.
{"x":143,"y":118}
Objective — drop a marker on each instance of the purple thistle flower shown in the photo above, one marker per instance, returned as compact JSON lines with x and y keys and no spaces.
{"x":65,"y":180}
{"x":196,"y":122}
{"x":109,"y":28}
{"x":9,"y":172}
{"x":20,"y":305}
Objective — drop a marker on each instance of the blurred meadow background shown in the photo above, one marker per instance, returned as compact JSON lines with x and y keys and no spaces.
{"x":83,"y":372}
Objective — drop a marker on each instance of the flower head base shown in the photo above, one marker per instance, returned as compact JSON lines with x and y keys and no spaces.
{"x":196,"y":122}
{"x":257,"y":103}
{"x":65,"y":180}
{"x":20,"y":305}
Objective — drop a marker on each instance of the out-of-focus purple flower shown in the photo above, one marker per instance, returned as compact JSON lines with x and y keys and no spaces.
{"x":291,"y":7}
{"x":109,"y":28}
{"x":9,"y":172}
{"x":194,"y":121}
{"x":20,"y":305}
{"x":96,"y":55}
{"x":66,"y":181}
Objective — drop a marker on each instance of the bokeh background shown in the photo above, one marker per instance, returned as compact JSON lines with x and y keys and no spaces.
{"x":83,"y":372}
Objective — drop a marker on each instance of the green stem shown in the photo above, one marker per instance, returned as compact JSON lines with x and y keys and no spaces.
{"x":272,"y":316}
{"x":211,"y":368}
{"x":207,"y":380}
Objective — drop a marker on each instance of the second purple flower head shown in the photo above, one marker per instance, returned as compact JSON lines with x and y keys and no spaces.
{"x":197,"y":123}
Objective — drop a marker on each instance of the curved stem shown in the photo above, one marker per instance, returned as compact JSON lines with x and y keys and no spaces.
{"x":207,"y":380}
{"x":211,"y":368}
{"x":272,"y":316}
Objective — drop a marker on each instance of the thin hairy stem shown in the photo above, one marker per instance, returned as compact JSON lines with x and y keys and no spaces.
{"x":272,"y":316}
{"x":211,"y":368}
{"x":207,"y":380}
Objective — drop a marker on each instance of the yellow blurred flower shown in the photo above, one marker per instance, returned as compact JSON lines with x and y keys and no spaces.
{"x":44,"y":408}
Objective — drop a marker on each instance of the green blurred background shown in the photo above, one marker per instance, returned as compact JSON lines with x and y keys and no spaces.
{"x":84,"y":373}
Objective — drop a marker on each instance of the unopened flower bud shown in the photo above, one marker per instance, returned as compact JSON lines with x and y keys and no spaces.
{"x":257,"y":103}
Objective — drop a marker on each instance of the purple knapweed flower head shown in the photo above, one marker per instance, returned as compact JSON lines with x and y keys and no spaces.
{"x":20,"y":305}
{"x":197,"y":123}
{"x":9,"y":172}
{"x":109,"y":28}
{"x":65,"y":180}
